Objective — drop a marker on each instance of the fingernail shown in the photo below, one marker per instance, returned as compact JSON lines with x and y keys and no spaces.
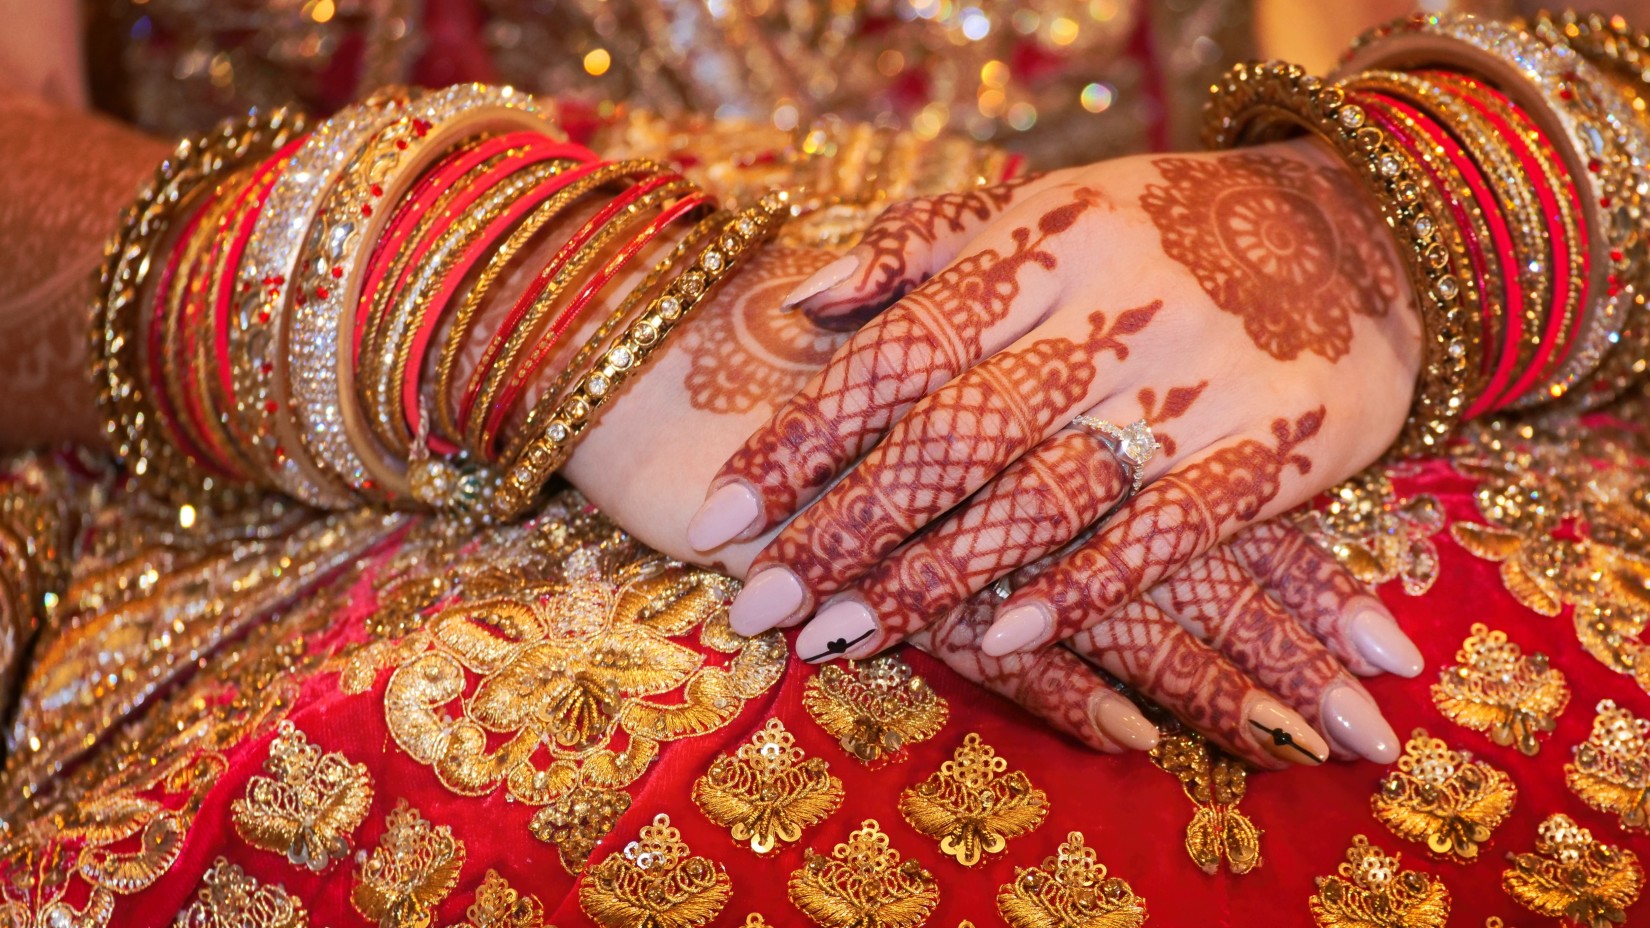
{"x":1355,"y":723}
{"x":1285,"y":735}
{"x":1016,"y":628}
{"x":724,"y":516}
{"x":835,"y":631}
{"x":1381,"y":642}
{"x":771,"y":597}
{"x":822,"y":280}
{"x":1119,"y":720}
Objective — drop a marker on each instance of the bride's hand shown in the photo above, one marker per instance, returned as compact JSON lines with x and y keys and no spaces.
{"x":1249,"y":307}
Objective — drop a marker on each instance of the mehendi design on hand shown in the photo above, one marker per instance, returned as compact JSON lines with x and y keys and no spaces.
{"x":1264,"y":237}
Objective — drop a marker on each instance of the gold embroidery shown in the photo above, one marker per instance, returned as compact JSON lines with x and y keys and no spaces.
{"x":1611,"y":771}
{"x":414,"y":868}
{"x":655,"y":882}
{"x":755,"y":920}
{"x":768,"y":790}
{"x":1443,"y":798}
{"x":578,"y":820}
{"x":875,"y":708}
{"x":229,"y":898}
{"x":308,"y":806}
{"x":1070,"y":890}
{"x":1573,"y":877}
{"x":1216,"y":783}
{"x":1378,"y":537}
{"x":1371,"y":891}
{"x":1494,"y":688}
{"x":864,"y":884}
{"x":499,"y":905}
{"x":972,"y":805}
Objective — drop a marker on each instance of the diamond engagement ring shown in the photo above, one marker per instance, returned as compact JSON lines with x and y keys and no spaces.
{"x":1134,"y":445}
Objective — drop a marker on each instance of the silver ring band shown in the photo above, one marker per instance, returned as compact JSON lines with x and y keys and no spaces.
{"x":1133,"y":445}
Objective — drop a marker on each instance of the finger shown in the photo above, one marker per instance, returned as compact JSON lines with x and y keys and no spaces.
{"x":910,"y":242}
{"x":1323,"y":595}
{"x":949,"y":445}
{"x":1142,"y":646}
{"x":1053,"y":684}
{"x":1174,"y":519}
{"x":1216,"y":600}
{"x":940,"y":330}
{"x":1041,"y":502}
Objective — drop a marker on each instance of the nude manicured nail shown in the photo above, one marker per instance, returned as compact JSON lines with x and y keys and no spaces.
{"x":822,"y":280}
{"x":771,"y":597}
{"x":1381,"y":642}
{"x":1355,"y":723}
{"x":1119,"y":720}
{"x":836,"y":630}
{"x":724,"y":516}
{"x":1015,"y":629}
{"x":1283,"y":734}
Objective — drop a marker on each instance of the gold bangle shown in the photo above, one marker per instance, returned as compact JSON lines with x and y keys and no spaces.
{"x":546,"y":452}
{"x":1258,"y":102}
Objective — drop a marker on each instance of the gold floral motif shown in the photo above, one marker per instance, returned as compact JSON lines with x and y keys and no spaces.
{"x":755,"y":920}
{"x":768,"y":790}
{"x":1370,"y":890}
{"x":308,"y":806}
{"x":1573,"y":877}
{"x":228,"y":898}
{"x":1443,"y":798}
{"x":1611,"y":771}
{"x":578,"y":820}
{"x":1494,"y":688}
{"x":972,"y":804}
{"x":414,"y":867}
{"x":864,"y":884}
{"x":499,"y":905}
{"x":875,"y":708}
{"x":1070,"y":890}
{"x":655,"y":882}
{"x":1378,"y":537}
{"x":1216,"y":783}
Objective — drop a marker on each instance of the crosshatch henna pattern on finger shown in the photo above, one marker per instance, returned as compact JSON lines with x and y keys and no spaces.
{"x":950,"y":445}
{"x":1310,"y":584}
{"x":746,"y":352}
{"x":934,"y":334}
{"x":1263,"y":235}
{"x":1174,"y":519}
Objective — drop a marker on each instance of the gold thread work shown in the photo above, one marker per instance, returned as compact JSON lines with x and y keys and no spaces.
{"x":1070,"y":890}
{"x":1573,"y":877}
{"x":1371,"y":890}
{"x":768,"y":790}
{"x":228,"y":898}
{"x":308,"y":805}
{"x":1443,"y":798}
{"x":1216,"y":783}
{"x":414,"y":867}
{"x":1495,"y":688}
{"x":655,"y":881}
{"x":864,"y":884}
{"x":875,"y":709}
{"x":973,"y":804}
{"x":1611,"y":770}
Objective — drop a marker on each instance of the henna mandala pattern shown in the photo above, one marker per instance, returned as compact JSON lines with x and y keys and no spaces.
{"x":1263,"y":236}
{"x":746,"y":352}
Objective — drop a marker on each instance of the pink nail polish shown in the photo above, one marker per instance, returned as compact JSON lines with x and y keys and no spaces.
{"x":771,"y":597}
{"x":1355,"y":723}
{"x":837,"y":630}
{"x":1282,"y":733}
{"x":1017,"y":628}
{"x":821,"y":280}
{"x":725,"y":515}
{"x":1381,"y":642}
{"x":1120,"y":721}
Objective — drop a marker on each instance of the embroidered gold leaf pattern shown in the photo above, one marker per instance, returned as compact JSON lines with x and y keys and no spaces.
{"x":308,"y":806}
{"x":1070,"y":890}
{"x":1378,"y":537}
{"x":767,"y":791}
{"x":578,"y":820}
{"x":1443,"y":798}
{"x":228,"y":898}
{"x":875,"y":708}
{"x":1216,"y":783}
{"x":499,"y":905}
{"x":972,"y":804}
{"x":1611,"y":770}
{"x":1573,"y":877}
{"x":1371,"y":890}
{"x":655,"y":882}
{"x":1493,"y":687}
{"x":414,"y":867}
{"x":864,"y":884}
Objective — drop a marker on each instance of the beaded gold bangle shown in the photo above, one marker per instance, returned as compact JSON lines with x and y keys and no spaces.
{"x":1256,"y":102}
{"x":116,"y":348}
{"x":545,"y":453}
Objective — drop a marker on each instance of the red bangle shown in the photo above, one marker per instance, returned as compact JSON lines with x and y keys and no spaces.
{"x":168,"y":416}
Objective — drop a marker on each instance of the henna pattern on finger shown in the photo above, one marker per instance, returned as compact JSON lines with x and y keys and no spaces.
{"x":744,"y":352}
{"x":1176,"y":403}
{"x":934,"y":334}
{"x":1264,"y":237}
{"x":1308,"y":582}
